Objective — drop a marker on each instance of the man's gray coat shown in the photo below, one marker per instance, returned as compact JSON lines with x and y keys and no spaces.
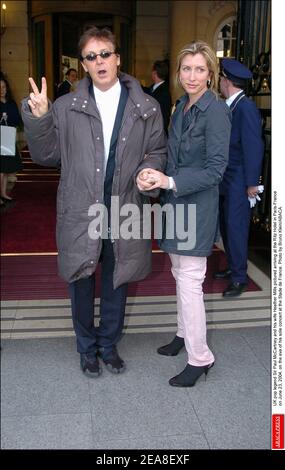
{"x":70,"y":136}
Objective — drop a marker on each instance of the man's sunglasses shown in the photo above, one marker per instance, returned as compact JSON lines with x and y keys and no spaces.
{"x":92,"y":56}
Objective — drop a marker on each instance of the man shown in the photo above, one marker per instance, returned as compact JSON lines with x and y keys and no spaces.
{"x":160,"y":89}
{"x":104,"y":135}
{"x":241,"y":178}
{"x":67,"y":85}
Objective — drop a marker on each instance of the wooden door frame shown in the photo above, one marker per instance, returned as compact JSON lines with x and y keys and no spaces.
{"x":48,"y":46}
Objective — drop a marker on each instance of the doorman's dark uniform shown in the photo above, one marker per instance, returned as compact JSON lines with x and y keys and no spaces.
{"x":243,"y":170}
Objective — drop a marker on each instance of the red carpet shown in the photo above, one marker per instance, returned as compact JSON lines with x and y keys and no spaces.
{"x":29,"y":225}
{"x":35,"y":277}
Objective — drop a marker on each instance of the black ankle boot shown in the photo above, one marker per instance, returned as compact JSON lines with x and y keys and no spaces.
{"x":173,"y":348}
{"x":189,"y":376}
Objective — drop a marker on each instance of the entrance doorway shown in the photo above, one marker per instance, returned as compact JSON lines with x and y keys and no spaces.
{"x":55,"y":39}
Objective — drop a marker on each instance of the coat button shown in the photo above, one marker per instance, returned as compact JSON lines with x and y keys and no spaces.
{"x":74,"y":99}
{"x":154,"y":109}
{"x":83,"y":106}
{"x":145,"y":115}
{"x":91,"y":262}
{"x":98,"y":169}
{"x":98,"y":138}
{"x":85,"y":101}
{"x":138,"y":105}
{"x":124,"y":138}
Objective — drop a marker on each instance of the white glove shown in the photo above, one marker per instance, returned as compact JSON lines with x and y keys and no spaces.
{"x":253,"y":200}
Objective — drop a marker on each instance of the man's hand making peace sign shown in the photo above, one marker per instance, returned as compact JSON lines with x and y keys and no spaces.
{"x":38,"y":101}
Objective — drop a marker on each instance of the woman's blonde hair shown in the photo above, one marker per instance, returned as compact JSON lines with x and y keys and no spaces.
{"x":200,"y":47}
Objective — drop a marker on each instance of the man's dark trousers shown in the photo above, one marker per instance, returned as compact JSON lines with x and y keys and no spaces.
{"x":234,"y":227}
{"x":112,"y":308}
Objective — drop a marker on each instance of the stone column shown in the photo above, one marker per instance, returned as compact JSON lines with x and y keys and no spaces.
{"x":15,"y":50}
{"x":183,"y":29}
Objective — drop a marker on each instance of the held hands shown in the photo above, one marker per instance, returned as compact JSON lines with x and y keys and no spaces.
{"x":149,"y":179}
{"x":38,"y":101}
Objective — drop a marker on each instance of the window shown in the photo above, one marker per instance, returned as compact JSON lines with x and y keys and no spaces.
{"x":226,"y":38}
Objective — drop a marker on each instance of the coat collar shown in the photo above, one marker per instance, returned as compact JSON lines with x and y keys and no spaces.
{"x":239,"y":97}
{"x":144,"y":104}
{"x":202,"y":103}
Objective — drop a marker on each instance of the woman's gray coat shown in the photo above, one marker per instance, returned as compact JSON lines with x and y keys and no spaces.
{"x":70,"y":135}
{"x":197,"y":159}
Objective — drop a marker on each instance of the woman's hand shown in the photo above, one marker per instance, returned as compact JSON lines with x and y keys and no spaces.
{"x":144,"y":180}
{"x":153,"y":179}
{"x":38,"y":101}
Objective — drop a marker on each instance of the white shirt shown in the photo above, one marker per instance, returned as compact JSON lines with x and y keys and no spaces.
{"x":107,"y":103}
{"x":231,"y":99}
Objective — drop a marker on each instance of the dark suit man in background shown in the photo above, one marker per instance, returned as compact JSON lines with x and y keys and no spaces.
{"x":160,"y":89}
{"x":241,"y":178}
{"x":67,"y":84}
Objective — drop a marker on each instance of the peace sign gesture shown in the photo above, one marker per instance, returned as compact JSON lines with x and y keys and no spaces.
{"x":38,"y":101}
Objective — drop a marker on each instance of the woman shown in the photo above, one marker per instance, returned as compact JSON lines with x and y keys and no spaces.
{"x":9,"y":116}
{"x":198,"y":148}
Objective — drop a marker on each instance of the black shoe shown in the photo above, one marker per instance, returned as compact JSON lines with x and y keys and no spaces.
{"x":113,"y":362}
{"x":189,"y":376}
{"x":226,"y":274}
{"x":90,"y":365}
{"x":173,"y":348}
{"x":235,"y":289}
{"x":7,"y":200}
{"x":3,"y":206}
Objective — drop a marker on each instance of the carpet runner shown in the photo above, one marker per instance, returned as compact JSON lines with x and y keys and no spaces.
{"x":35,"y":277}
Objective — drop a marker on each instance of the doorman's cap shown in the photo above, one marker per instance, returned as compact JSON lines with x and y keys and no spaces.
{"x":235,"y":71}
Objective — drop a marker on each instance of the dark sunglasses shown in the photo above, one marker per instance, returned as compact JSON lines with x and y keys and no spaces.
{"x":92,"y":56}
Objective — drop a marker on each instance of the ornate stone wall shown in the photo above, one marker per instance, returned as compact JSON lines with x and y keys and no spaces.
{"x":15,"y":49}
